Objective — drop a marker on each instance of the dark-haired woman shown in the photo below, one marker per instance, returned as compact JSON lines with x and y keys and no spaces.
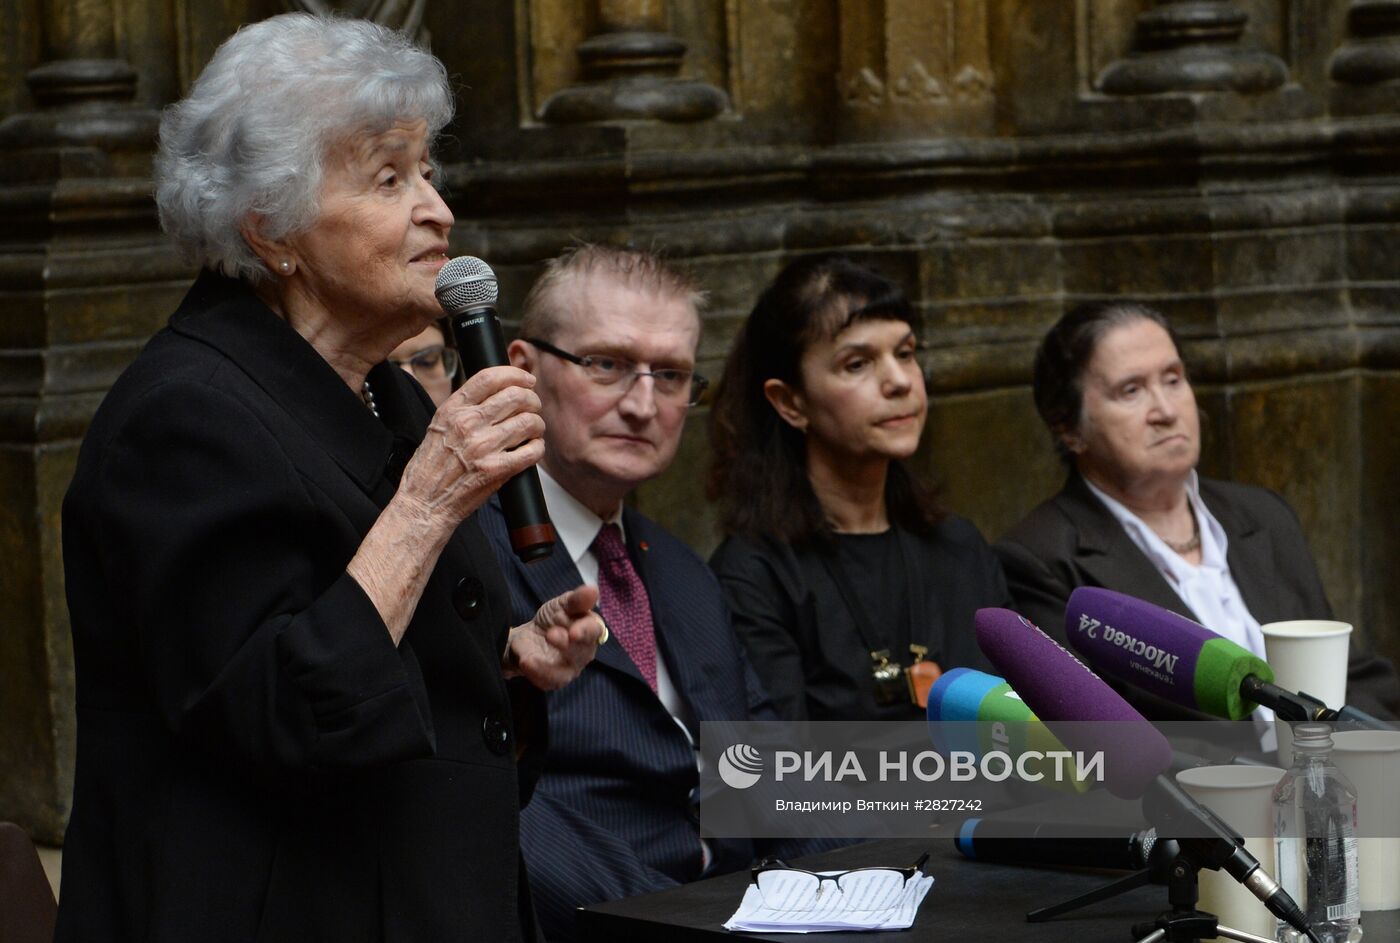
{"x":840,"y":568}
{"x":1133,"y":515}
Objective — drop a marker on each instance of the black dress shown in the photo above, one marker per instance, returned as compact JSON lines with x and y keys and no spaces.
{"x":256,"y":760}
{"x":809,"y":620}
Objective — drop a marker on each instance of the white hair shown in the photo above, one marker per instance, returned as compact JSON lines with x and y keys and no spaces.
{"x":255,"y":131}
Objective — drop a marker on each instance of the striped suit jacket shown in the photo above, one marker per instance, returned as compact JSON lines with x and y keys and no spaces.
{"x":612,"y":813}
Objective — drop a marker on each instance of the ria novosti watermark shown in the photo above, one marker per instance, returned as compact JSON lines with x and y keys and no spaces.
{"x":742,"y":765}
{"x":873,"y":780}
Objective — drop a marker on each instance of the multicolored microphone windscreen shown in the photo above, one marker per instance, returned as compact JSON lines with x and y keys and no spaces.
{"x":976,"y":712}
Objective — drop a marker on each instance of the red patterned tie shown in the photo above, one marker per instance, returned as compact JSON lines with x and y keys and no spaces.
{"x":624,"y":601}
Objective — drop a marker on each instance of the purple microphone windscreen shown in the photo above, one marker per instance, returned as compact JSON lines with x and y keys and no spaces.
{"x":1085,"y":713}
{"x":1161,"y":652}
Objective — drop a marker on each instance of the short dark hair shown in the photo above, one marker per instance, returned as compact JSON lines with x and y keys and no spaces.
{"x":758,"y":470}
{"x":1065,"y":352}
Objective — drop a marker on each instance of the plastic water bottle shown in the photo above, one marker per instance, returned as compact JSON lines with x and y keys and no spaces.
{"x":1315,"y":839}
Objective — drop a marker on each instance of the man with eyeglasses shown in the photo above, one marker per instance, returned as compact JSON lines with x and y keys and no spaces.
{"x":610,"y":335}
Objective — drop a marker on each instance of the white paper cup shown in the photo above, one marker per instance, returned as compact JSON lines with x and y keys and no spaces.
{"x":1371,"y":760}
{"x":1309,"y":655}
{"x":1244,"y":797}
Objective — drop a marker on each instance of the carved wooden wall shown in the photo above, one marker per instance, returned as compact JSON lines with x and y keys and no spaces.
{"x":1232,"y":161}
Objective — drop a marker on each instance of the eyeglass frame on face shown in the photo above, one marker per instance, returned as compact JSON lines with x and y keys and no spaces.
{"x":697,"y":384}
{"x":444,"y":353}
{"x":777,"y":864}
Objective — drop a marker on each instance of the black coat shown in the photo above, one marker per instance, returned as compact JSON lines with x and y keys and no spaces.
{"x":256,"y":760}
{"x":802,"y":639}
{"x":1073,"y":540}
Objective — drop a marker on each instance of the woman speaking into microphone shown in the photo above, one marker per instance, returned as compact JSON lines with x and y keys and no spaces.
{"x":294,"y":670}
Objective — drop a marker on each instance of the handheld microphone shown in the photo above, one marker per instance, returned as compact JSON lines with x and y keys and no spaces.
{"x":1182,"y":661}
{"x":466,"y":288}
{"x":1052,"y":845}
{"x":1060,"y":688}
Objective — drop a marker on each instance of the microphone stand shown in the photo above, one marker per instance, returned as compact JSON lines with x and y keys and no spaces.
{"x":1169,"y":864}
{"x":1184,"y":923}
{"x":1295,"y":706}
{"x":1175,"y":862}
{"x":1157,"y":871}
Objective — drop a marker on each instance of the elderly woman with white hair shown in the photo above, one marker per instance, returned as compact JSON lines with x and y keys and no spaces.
{"x":295,"y":677}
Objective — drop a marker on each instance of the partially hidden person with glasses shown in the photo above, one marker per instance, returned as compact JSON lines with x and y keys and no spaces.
{"x":850,"y":585}
{"x":610,"y":335}
{"x":427,"y":358}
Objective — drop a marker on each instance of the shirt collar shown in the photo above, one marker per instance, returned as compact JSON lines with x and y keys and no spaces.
{"x":1213,"y":541}
{"x":574,"y":524}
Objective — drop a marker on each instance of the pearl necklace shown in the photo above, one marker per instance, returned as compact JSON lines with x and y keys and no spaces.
{"x":367,"y":395}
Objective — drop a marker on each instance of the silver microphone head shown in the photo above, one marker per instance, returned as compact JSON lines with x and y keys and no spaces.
{"x":465,"y":283}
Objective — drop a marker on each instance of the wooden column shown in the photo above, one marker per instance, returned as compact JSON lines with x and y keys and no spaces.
{"x":1192,"y":46}
{"x":85,"y":97}
{"x":630,"y":68}
{"x":1371,"y":54}
{"x":84,"y":279}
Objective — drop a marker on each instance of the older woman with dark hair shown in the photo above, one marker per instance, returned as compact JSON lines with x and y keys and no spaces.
{"x":840,"y":568}
{"x":1134,"y":516}
{"x":294,"y":671}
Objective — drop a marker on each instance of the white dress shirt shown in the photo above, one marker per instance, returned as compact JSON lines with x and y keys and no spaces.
{"x":576,"y":527}
{"x":1208,"y":589}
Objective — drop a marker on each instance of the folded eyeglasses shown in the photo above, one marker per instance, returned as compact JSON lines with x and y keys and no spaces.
{"x":786,"y":888}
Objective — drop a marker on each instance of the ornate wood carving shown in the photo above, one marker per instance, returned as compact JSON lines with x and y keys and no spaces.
{"x":913,"y":64}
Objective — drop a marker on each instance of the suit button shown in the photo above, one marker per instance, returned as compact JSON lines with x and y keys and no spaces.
{"x":496,"y":734}
{"x":466,"y":597}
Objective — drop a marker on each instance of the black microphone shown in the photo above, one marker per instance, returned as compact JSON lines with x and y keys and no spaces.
{"x":466,"y":288}
{"x":1050,"y":844}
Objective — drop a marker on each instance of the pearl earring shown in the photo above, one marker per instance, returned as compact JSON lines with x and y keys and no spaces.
{"x":286,"y":267}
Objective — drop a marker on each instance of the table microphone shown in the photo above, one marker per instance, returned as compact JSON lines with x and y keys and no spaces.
{"x":1053,"y":845}
{"x":1090,"y":716}
{"x":1182,"y":661}
{"x":466,"y":288}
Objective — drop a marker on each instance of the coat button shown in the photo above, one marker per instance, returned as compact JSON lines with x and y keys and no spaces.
{"x":496,"y":734}
{"x":467,"y":597}
{"x":397,"y":461}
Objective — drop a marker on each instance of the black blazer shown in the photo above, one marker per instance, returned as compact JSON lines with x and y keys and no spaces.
{"x":256,"y":760}
{"x":806,"y":646}
{"x":1073,"y":540}
{"x":613,"y":813}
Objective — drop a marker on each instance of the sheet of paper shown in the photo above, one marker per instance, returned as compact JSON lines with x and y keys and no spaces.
{"x":832,"y":913}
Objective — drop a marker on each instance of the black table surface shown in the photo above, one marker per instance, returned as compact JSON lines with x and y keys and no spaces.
{"x":969,"y":900}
